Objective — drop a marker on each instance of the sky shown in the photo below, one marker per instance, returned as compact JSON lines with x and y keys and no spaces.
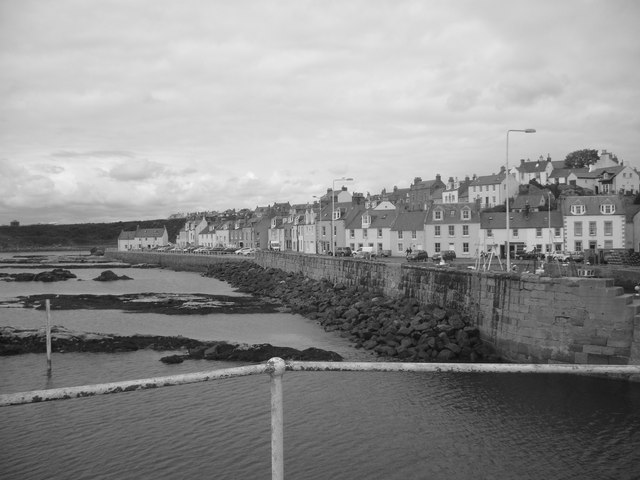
{"x":117,"y":110}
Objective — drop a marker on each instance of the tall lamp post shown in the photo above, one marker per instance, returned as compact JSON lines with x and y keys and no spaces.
{"x":318,"y":223}
{"x":526,"y":130}
{"x":549,"y":214}
{"x":333,"y":209}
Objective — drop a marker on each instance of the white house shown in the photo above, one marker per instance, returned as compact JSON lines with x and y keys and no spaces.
{"x":593,"y":222}
{"x":143,"y":238}
{"x":453,"y":226}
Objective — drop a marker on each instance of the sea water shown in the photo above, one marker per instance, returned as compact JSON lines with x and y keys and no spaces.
{"x":337,"y":425}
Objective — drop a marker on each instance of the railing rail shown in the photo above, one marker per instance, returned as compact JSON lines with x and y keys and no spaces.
{"x":276,"y":368}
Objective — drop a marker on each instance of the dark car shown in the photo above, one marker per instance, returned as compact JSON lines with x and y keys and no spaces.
{"x":447,"y":255}
{"x":343,"y":251}
{"x":418,"y":256}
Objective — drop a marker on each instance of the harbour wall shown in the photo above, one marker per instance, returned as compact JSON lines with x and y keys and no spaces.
{"x":527,"y":318}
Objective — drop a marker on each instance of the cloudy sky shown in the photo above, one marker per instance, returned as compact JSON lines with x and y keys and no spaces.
{"x":136,"y":109}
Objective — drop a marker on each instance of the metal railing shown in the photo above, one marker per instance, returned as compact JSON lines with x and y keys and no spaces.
{"x":276,"y":368}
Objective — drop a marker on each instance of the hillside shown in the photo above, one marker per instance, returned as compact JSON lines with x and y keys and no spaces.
{"x":77,"y":235}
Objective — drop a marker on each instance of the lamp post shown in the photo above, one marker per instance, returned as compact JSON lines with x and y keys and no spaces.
{"x":333,"y":209}
{"x":318,"y":223}
{"x":526,"y":130}
{"x":549,"y":214}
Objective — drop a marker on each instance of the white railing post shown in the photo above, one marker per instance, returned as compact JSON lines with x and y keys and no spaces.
{"x":276,"y":368}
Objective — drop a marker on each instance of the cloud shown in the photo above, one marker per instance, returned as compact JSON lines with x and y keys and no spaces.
{"x":136,"y":170}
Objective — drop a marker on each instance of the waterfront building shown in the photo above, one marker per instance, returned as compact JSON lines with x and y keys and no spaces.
{"x":452,"y":226}
{"x":408,"y":231}
{"x":143,"y":238}
{"x":490,"y":190}
{"x":370,"y":227}
{"x":593,"y":222}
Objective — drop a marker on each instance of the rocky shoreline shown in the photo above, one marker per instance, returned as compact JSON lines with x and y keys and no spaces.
{"x":14,"y":341}
{"x":398,"y":329}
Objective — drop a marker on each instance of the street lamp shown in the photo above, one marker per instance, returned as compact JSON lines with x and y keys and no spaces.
{"x":526,"y":130}
{"x":549,"y":213}
{"x":318,"y":223}
{"x":333,"y":209}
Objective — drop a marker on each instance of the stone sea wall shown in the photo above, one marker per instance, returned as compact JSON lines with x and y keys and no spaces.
{"x":526,"y":318}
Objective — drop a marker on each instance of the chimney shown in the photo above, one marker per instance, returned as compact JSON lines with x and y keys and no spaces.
{"x":526,"y":209}
{"x":522,"y":162}
{"x":438,"y":178}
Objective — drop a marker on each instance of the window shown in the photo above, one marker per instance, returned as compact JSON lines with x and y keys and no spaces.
{"x":452,"y":230}
{"x":379,"y":233}
{"x":556,"y":232}
{"x":577,"y":209}
{"x":466,"y":214}
{"x":593,"y":231}
{"x":489,"y":232}
{"x":514,"y":232}
{"x":578,"y":246}
{"x":366,"y":220}
{"x":538,"y":232}
{"x":577,"y":229}
{"x":365,"y":233}
{"x":400,"y":234}
{"x":465,"y":230}
{"x":414,"y":234}
{"x":437,"y":214}
{"x":437,"y":247}
{"x":400,"y":247}
{"x":336,"y":214}
{"x":437,"y":232}
{"x":607,"y":208}
{"x":608,"y":228}
{"x":324,"y":231}
{"x":465,"y":247}
{"x":352,"y":233}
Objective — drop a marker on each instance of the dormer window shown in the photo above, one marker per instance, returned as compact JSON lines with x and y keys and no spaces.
{"x":366,"y":220}
{"x":607,"y":209}
{"x":336,"y":214}
{"x":437,"y":214}
{"x":577,"y":209}
{"x":465,"y":214}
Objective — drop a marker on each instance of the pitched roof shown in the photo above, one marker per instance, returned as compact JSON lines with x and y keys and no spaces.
{"x":409,"y":221}
{"x":452,"y":213}
{"x":150,"y":232}
{"x":592,"y":204}
{"x":488,"y":179}
{"x":127,"y":235}
{"x":498,"y":220}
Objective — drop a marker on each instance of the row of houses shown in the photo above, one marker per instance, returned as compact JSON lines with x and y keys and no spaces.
{"x":576,"y":223}
{"x":437,"y":216}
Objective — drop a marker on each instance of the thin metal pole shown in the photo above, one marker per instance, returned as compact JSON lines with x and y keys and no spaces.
{"x":507,"y":204}
{"x":276,"y":368}
{"x":48,"y":331}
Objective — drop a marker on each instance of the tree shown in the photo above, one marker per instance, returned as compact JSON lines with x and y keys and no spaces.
{"x":581,"y":158}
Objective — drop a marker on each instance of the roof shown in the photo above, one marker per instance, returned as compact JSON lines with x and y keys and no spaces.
{"x":520,"y":220}
{"x":125,"y":235}
{"x":409,"y":221}
{"x":533,"y":167}
{"x":592,"y":204}
{"x":452,"y":213}
{"x":488,"y":179}
{"x":150,"y":232}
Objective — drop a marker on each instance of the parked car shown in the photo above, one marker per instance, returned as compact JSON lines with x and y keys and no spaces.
{"x":343,"y":251}
{"x":447,"y":256}
{"x":530,"y":255}
{"x":364,"y":252}
{"x":384,"y":253}
{"x":242,"y":251}
{"x":418,"y":256}
{"x":577,"y":256}
{"x":560,"y":256}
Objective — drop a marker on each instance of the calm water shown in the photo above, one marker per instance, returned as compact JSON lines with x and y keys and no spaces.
{"x":337,"y":425}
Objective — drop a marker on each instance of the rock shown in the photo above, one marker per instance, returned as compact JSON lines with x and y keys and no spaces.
{"x":172,"y":359}
{"x":109,"y":276}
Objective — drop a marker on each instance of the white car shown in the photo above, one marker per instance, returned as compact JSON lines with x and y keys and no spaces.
{"x":243,"y":251}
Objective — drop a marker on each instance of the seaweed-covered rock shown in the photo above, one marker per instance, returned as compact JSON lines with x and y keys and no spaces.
{"x":109,"y":276}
